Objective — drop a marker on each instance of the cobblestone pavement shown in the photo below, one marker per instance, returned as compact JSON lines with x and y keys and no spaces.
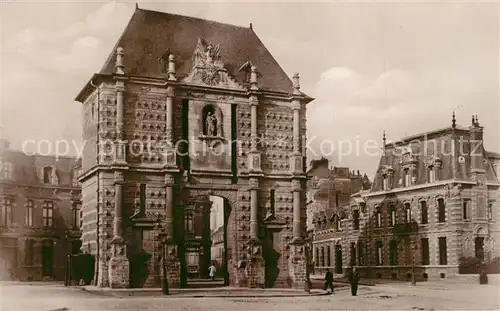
{"x":428,"y":296}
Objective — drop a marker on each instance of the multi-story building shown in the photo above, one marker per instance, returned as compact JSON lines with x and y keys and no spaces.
{"x":329,"y":192}
{"x":40,"y":214}
{"x":218,"y":249}
{"x":223,"y":119}
{"x":434,"y":200}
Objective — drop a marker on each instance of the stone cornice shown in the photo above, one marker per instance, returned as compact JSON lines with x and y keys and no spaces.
{"x":163,"y":82}
{"x":418,"y":187}
{"x":43,"y":186}
{"x":134,"y":168}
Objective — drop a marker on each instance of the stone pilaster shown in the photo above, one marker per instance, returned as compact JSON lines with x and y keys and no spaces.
{"x":118,"y":264}
{"x":170,"y":265}
{"x":254,"y":155}
{"x":255,"y":268}
{"x":102,"y":260}
{"x":169,"y":148}
{"x":120,"y":145}
{"x":254,"y":209}
{"x":169,"y":206}
{"x":297,"y":212}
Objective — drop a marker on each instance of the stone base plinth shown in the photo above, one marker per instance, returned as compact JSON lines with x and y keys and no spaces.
{"x":255,"y":272}
{"x":297,"y":266}
{"x":256,"y":267}
{"x":119,"y":269}
{"x":172,"y":267}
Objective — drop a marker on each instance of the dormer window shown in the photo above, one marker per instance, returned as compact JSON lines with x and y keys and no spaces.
{"x":433,"y":166}
{"x":6,"y":170}
{"x":385,"y":182}
{"x":50,"y":175}
{"x":336,"y":220}
{"x":431,"y":174}
{"x":47,"y":175}
{"x":407,"y":177}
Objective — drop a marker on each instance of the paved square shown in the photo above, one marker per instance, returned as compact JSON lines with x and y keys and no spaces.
{"x":424,"y":296}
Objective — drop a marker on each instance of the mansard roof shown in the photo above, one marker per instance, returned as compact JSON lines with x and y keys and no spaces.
{"x":27,"y":167}
{"x":151,"y":36}
{"x":425,"y":149}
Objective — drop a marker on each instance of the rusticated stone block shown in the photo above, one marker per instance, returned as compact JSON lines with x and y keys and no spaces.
{"x":173,"y":267}
{"x":119,"y":272}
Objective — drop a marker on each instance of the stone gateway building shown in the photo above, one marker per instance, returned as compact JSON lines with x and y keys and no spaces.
{"x":434,"y":202}
{"x":182,"y":110}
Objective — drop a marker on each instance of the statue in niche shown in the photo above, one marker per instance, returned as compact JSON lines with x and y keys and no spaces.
{"x":211,"y":124}
{"x":210,"y":121}
{"x":256,"y":162}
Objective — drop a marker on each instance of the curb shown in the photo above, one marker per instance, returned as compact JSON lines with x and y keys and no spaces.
{"x":158,"y":294}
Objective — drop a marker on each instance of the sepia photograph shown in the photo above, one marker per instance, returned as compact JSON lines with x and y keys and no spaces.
{"x":249,"y":155}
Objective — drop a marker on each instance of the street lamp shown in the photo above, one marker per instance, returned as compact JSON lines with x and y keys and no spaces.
{"x":413,"y":242}
{"x":163,"y":240}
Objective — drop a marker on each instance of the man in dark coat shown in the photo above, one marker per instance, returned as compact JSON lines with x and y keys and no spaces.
{"x":328,"y":280}
{"x":353,"y":279}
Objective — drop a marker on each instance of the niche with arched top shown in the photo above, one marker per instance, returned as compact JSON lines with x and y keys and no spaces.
{"x":211,"y":121}
{"x":210,"y":124}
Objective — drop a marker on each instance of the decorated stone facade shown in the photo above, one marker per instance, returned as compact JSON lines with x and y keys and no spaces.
{"x":434,"y":203}
{"x":202,"y":113}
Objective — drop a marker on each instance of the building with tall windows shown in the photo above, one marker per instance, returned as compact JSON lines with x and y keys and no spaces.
{"x":434,"y":202}
{"x":39,"y":214}
{"x":329,"y":192}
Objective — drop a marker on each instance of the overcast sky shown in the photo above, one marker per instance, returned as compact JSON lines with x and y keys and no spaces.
{"x":371,"y":66}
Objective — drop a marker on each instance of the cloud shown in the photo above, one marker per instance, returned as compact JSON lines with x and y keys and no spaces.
{"x":341,"y":84}
{"x":54,"y":65}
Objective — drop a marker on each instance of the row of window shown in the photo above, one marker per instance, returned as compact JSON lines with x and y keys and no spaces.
{"x":432,"y":176}
{"x":47,"y":214}
{"x":424,"y":213}
{"x":357,"y":253}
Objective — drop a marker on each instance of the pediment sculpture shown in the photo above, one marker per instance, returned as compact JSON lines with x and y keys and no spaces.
{"x":208,"y":68}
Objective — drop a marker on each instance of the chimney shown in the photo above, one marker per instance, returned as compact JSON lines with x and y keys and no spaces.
{"x":477,"y":147}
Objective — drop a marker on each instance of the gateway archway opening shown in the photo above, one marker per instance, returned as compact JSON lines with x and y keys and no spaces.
{"x":205,"y":242}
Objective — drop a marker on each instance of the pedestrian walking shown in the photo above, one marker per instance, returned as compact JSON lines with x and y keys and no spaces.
{"x":211,"y":271}
{"x":328,"y":280}
{"x":353,"y":278}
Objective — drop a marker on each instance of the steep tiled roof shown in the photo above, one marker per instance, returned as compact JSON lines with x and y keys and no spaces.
{"x":151,"y":35}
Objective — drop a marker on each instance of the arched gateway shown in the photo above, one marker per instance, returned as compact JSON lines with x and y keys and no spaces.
{"x":177,"y":116}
